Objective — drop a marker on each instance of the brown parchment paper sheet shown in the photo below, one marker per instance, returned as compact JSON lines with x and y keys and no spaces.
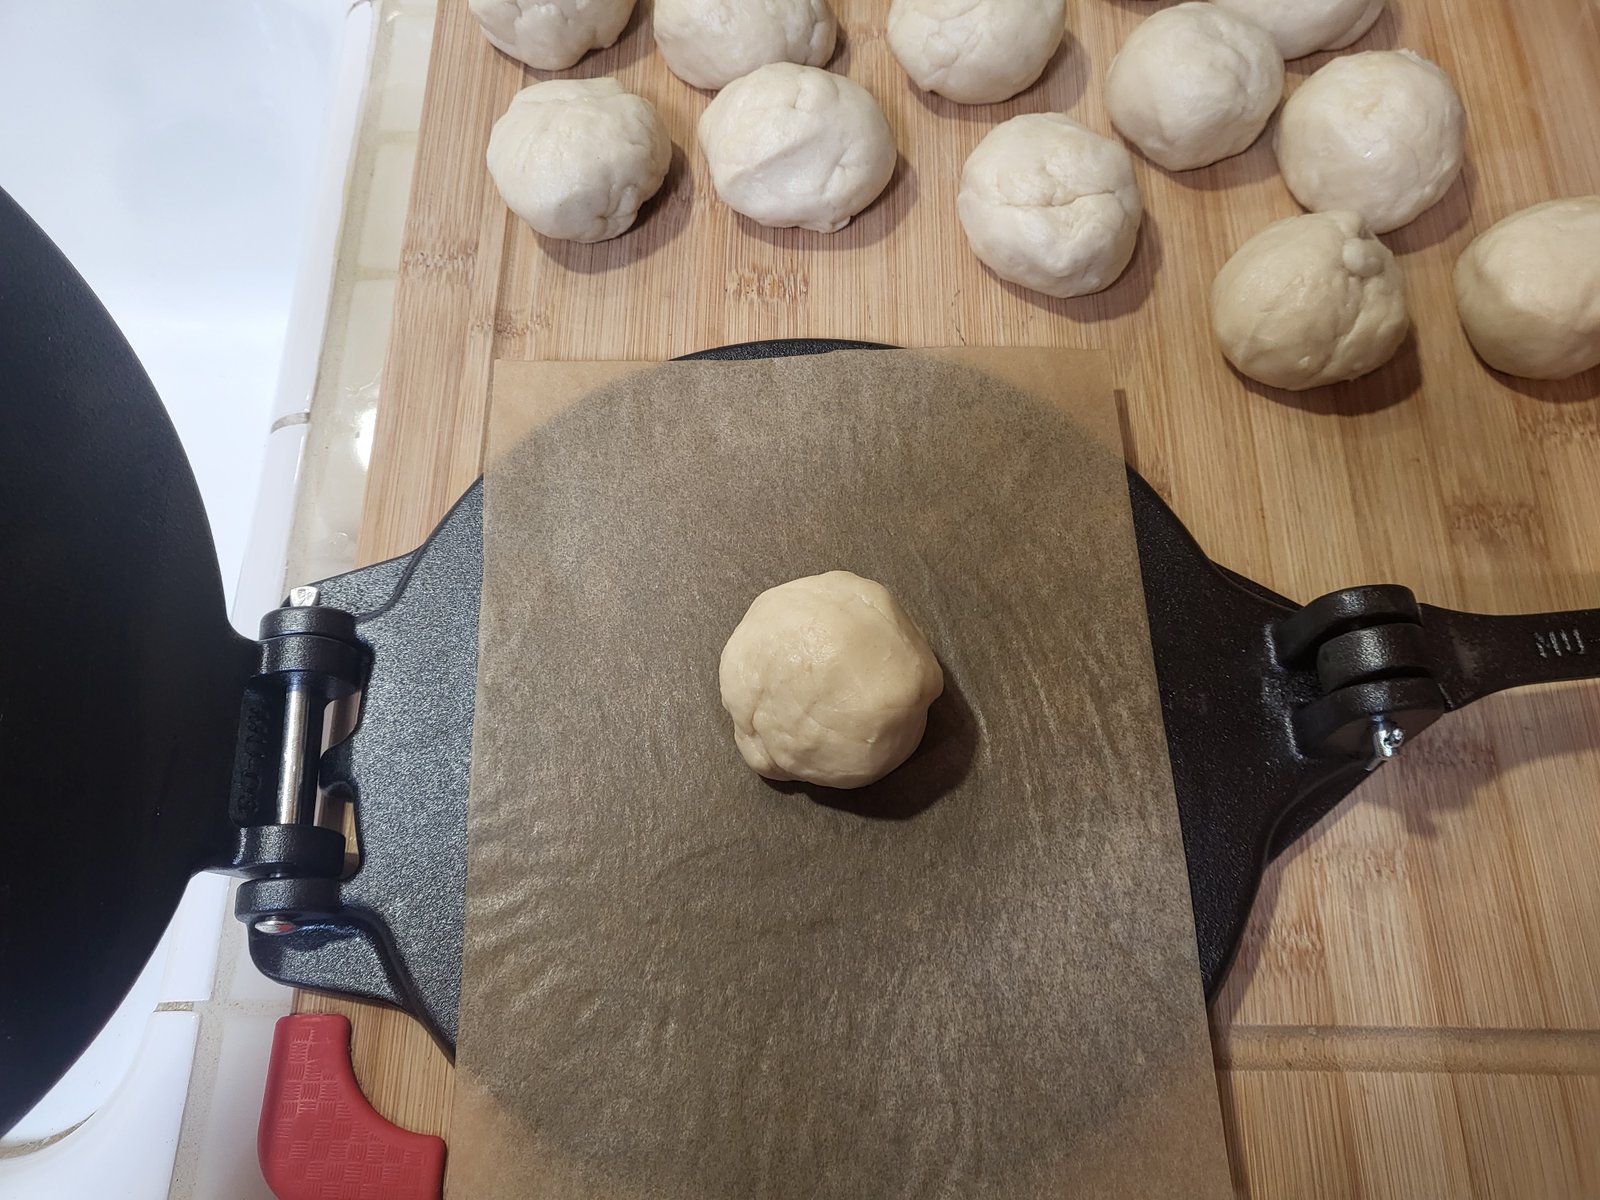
{"x":975,"y":978}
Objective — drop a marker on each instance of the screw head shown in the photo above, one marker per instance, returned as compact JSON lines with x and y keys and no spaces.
{"x":1386,"y":741}
{"x":275,"y":925}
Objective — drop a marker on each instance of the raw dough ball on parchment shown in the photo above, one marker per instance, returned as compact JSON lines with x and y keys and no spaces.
{"x":1528,"y":289}
{"x":575,"y":158}
{"x":710,"y":43}
{"x":1310,"y":300}
{"x":828,"y":680}
{"x":1381,"y":133}
{"x":551,"y":35}
{"x":1050,"y":205}
{"x":975,"y":51}
{"x":1194,"y":84}
{"x":1302,"y":27}
{"x":792,"y":145}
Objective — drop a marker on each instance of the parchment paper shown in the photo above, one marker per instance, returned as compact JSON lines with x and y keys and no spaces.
{"x":975,"y":978}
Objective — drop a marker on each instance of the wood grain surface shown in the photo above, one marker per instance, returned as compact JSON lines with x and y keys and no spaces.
{"x":1416,"y":1010}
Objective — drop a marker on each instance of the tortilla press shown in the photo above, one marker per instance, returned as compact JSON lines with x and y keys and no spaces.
{"x":143,"y":740}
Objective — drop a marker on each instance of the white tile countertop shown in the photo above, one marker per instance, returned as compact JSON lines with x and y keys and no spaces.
{"x":327,"y":516}
{"x":231,"y":179}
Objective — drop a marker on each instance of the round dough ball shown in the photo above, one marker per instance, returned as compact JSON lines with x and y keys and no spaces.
{"x":575,"y":158}
{"x":1528,"y":289}
{"x":1194,"y":84}
{"x":792,"y":145}
{"x":710,"y":43}
{"x":551,"y":34}
{"x":975,"y":51}
{"x":1302,"y":27}
{"x":1050,"y":205}
{"x":828,"y":680}
{"x":1381,"y":133}
{"x":1310,"y":300}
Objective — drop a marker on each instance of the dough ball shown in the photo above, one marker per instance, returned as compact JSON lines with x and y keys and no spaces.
{"x":1050,"y":205}
{"x":828,"y":680}
{"x":1194,"y":84}
{"x":575,"y":158}
{"x":1528,"y":289}
{"x":551,"y":34}
{"x":792,"y":145}
{"x":1310,"y":300}
{"x":1380,"y":133}
{"x":710,"y":43}
{"x":1302,"y":27}
{"x":975,"y":51}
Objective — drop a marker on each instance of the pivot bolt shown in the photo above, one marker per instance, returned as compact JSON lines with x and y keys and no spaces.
{"x":1387,"y":738}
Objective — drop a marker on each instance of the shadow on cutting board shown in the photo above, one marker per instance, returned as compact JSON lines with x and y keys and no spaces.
{"x":935,"y":768}
{"x":634,"y":43}
{"x":661,"y":219}
{"x":1398,"y":379}
{"x":1442,"y":776}
{"x":1256,"y":164}
{"x":867,"y":228}
{"x":1385,"y":34}
{"x":1450,"y":213}
{"x":1058,"y":89}
{"x":1583,"y":386}
{"x":1128,"y":292}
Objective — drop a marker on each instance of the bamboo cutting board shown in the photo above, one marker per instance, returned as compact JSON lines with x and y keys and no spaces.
{"x":1416,"y":1010}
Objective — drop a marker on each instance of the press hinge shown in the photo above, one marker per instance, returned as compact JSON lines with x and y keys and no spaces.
{"x":1376,"y":672}
{"x":310,"y":659}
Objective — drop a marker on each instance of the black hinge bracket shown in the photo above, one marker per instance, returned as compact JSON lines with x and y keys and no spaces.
{"x":309,"y":660}
{"x":1387,"y":667}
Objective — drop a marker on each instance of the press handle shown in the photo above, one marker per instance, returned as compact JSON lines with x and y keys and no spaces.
{"x":1476,"y":654}
{"x":319,"y":1137}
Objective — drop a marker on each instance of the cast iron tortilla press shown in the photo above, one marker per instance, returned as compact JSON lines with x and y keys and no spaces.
{"x":142,"y":740}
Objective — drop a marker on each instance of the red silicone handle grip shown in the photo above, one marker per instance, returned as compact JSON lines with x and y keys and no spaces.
{"x":320,"y":1139}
